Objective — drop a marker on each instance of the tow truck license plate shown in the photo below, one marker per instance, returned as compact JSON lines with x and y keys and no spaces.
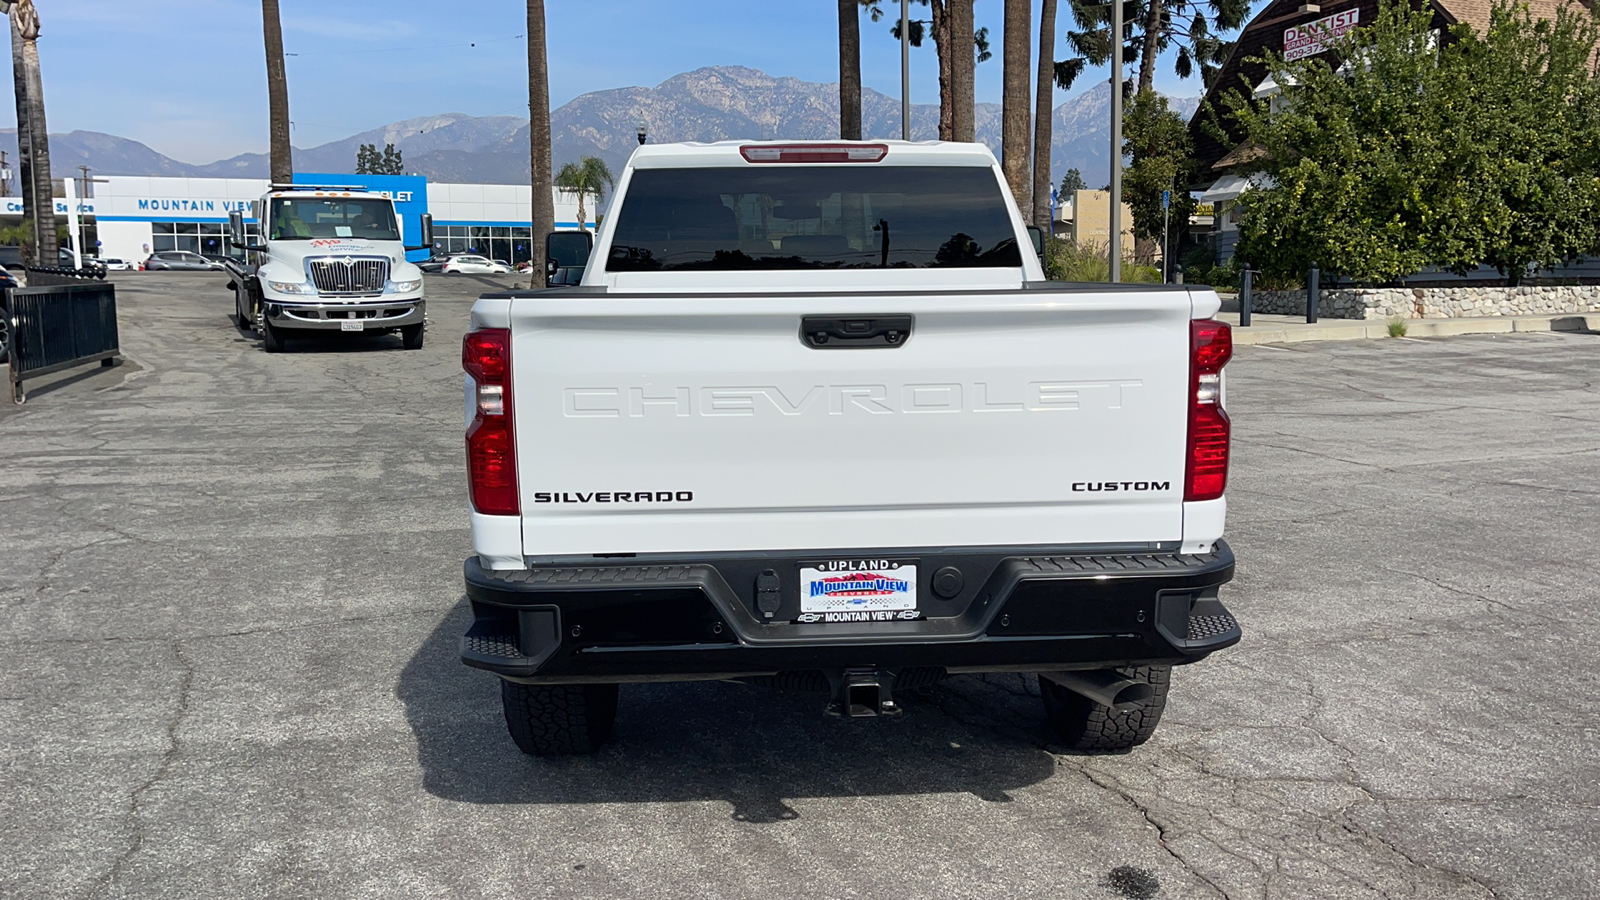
{"x":352,"y":325}
{"x":858,"y":590}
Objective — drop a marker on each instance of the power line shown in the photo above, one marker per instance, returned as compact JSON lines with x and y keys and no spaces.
{"x":470,"y":45}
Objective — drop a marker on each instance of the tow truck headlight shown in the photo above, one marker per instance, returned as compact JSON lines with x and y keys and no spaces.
{"x":401,"y":287}
{"x":285,"y":287}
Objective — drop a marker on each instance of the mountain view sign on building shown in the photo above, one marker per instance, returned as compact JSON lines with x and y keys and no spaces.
{"x":1312,"y":38}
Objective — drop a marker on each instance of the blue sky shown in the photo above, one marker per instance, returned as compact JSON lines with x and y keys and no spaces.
{"x":187,"y":76}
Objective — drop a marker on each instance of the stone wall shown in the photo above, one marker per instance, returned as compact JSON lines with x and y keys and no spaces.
{"x":1434,"y":302}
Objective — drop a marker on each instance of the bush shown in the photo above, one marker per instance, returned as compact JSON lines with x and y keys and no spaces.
{"x":1091,"y":261}
{"x":1397,"y":327}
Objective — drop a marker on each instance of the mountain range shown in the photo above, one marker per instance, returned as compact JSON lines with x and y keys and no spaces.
{"x":713,"y":103}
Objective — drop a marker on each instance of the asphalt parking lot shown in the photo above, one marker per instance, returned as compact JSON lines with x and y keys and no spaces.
{"x":230,"y":596}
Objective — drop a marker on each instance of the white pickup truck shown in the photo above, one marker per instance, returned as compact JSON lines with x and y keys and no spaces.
{"x":329,"y":259}
{"x":814,"y":417}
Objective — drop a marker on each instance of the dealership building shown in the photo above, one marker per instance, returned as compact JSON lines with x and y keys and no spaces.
{"x":133,"y":216}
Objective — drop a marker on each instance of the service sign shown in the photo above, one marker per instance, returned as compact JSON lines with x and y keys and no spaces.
{"x":1315,"y":37}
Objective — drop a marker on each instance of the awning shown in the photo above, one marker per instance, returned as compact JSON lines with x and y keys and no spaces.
{"x":1229,"y":187}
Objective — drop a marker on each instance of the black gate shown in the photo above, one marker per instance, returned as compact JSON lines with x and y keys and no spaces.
{"x":61,"y":326}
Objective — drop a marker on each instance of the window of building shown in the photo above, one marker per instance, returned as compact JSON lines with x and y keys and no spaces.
{"x":508,"y":243}
{"x":208,"y":238}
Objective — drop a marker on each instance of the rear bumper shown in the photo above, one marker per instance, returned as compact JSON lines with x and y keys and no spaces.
{"x":330,"y":316}
{"x":689,"y":620}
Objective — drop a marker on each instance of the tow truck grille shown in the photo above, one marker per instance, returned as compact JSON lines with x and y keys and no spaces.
{"x":349,"y":275}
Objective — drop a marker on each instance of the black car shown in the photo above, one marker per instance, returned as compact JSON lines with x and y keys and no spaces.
{"x":180,"y":261}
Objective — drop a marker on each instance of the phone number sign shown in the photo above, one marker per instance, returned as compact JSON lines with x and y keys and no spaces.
{"x":1314,"y":37}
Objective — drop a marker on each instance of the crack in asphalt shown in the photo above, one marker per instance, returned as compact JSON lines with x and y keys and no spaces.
{"x":134,"y":815}
{"x":1112,"y":785}
{"x":1500,"y":604}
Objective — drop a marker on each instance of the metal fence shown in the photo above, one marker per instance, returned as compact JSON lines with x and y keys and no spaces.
{"x":45,"y":276}
{"x":60,"y":326}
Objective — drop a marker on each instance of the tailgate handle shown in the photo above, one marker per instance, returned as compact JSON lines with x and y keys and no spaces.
{"x":854,"y":332}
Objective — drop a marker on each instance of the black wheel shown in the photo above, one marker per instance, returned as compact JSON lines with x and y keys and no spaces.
{"x":411,"y":336}
{"x":271,"y":337}
{"x":559,"y":719}
{"x":1086,"y":725}
{"x":5,"y":335}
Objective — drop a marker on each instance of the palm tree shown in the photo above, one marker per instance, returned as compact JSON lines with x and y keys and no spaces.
{"x":963,"y":125}
{"x":1193,"y":26}
{"x":589,"y":175}
{"x":849,"y":70}
{"x":544,"y":210}
{"x":277,"y":95}
{"x":33,"y":136}
{"x":1042,"y":111}
{"x":1014,"y":102}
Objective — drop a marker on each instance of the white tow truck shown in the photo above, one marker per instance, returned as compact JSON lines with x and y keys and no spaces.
{"x":813,"y":417}
{"x":328,"y":259}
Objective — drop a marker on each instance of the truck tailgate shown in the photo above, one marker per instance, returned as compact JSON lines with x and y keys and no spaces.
{"x":681,"y":423}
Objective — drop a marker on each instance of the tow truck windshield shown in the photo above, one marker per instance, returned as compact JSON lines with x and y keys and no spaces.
{"x":306,"y":218}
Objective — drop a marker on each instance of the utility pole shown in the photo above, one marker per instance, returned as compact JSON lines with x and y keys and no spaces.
{"x":5,"y":175}
{"x":1166,"y":231}
{"x":905,"y":72}
{"x":1116,"y":141}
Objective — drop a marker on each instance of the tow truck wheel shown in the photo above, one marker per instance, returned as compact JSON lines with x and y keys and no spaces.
{"x":271,"y":337}
{"x":559,"y":719}
{"x":411,"y":336}
{"x":1086,"y":725}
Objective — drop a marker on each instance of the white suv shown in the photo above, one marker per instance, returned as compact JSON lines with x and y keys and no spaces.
{"x":475,"y":265}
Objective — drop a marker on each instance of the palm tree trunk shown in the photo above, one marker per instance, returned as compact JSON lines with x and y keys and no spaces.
{"x":1014,"y":102}
{"x":849,"y":70}
{"x":38,"y":194}
{"x":543,"y":211}
{"x":941,"y":49}
{"x":281,"y":153}
{"x":1042,"y":111}
{"x":963,"y":62}
{"x":1147,"y":53}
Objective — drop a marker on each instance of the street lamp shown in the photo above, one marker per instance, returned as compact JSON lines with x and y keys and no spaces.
{"x":643,"y":129}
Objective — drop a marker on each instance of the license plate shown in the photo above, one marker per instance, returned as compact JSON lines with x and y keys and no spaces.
{"x":858,"y":590}
{"x":352,"y":325}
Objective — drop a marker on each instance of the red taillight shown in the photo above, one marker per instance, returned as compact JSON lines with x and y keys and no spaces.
{"x":491,"y":442}
{"x":813,"y":153}
{"x":1211,"y":346}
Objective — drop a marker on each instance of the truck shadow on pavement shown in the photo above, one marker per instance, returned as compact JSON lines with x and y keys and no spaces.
{"x":750,"y":747}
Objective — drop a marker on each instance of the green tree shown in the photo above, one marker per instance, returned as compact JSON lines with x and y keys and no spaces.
{"x":1150,"y":28}
{"x":589,"y":175}
{"x":370,"y":162}
{"x":1526,"y":175}
{"x":1157,"y":140}
{"x":1071,"y":182}
{"x":1428,"y":152}
{"x":943,"y":16}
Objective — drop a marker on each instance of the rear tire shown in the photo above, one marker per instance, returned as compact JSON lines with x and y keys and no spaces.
{"x":1086,"y":725}
{"x":271,"y":338}
{"x":411,"y":336}
{"x":559,"y":719}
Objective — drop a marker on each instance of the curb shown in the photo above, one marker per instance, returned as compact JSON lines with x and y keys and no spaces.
{"x":1357,"y":329}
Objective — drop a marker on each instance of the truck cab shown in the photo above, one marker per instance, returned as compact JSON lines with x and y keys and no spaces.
{"x":329,"y":259}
